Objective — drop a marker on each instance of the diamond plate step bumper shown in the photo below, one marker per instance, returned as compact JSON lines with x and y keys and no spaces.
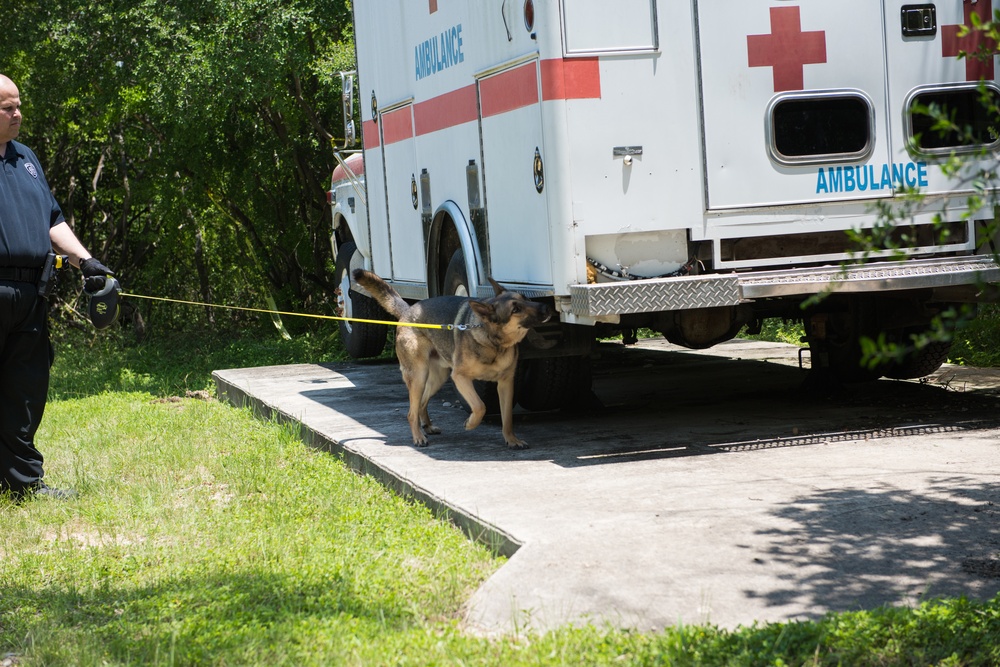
{"x":730,"y":289}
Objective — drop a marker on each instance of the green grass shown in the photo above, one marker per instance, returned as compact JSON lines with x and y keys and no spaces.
{"x":975,"y":343}
{"x":978,"y":342}
{"x":205,"y":536}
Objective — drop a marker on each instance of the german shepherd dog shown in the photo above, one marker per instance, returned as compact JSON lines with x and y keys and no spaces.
{"x":481,"y":346}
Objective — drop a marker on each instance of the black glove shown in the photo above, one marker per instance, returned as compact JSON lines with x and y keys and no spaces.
{"x":94,"y":274}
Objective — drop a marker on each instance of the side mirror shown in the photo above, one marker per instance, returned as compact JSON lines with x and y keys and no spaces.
{"x":347,"y":101}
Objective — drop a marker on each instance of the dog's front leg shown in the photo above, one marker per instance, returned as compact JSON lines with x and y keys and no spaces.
{"x":468,"y":392}
{"x":505,"y":390}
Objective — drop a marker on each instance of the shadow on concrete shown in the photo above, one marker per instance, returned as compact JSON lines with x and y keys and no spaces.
{"x":863,"y":547}
{"x":658,"y":404}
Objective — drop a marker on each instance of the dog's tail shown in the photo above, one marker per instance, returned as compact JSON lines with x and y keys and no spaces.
{"x":382,"y":292}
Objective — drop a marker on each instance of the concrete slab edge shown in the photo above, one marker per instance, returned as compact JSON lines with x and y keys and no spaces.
{"x":495,"y":539}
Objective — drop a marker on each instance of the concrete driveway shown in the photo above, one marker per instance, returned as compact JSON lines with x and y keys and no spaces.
{"x":698,"y":487}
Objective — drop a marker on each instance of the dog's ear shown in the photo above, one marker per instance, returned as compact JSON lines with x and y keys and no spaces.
{"x":484,"y":310}
{"x":497,"y":287}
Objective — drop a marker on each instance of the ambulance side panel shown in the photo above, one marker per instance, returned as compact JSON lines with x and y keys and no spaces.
{"x":632,"y":150}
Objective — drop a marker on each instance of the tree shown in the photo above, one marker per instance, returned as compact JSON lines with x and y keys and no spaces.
{"x":189,"y":142}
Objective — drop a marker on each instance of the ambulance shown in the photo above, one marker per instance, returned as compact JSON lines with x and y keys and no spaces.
{"x":692,"y":167}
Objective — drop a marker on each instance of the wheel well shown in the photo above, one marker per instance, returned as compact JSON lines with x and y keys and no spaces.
{"x":443,"y":245}
{"x":341,"y":230}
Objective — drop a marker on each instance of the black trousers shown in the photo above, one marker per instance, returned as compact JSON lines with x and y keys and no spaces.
{"x":25,"y":360}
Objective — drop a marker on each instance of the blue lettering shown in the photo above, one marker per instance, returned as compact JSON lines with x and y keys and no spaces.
{"x":439,"y":53}
{"x":886,"y":178}
{"x":872,"y":182}
{"x":835,"y":174}
{"x":897,"y":175}
{"x":821,"y":185}
{"x":865,"y":177}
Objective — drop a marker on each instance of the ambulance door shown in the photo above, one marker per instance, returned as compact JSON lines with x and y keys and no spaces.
{"x":514,"y":175}
{"x":923,"y":42}
{"x":406,"y":235}
{"x":794,"y":101}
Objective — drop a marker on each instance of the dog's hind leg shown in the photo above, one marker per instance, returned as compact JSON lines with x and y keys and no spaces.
{"x":436,"y":377}
{"x":416,"y":381}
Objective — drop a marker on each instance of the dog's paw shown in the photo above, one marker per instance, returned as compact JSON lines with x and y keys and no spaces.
{"x":472,"y":422}
{"x":516,"y":443}
{"x":431,"y":429}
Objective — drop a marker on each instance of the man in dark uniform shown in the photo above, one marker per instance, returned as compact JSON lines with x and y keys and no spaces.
{"x":31,"y":226}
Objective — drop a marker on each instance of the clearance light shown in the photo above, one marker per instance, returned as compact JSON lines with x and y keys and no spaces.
{"x":529,"y":15}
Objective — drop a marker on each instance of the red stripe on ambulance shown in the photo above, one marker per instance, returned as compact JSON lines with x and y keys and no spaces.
{"x":562,"y":79}
{"x":510,"y":90}
{"x":397,"y":126}
{"x":444,"y":111}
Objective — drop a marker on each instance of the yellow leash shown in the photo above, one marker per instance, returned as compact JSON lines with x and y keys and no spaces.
{"x":447,"y":327}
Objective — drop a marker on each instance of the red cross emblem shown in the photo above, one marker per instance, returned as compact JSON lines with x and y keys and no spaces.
{"x":432,"y":5}
{"x":974,"y":44}
{"x":787,"y":49}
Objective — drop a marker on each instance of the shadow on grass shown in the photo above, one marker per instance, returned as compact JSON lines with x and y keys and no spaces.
{"x":170,"y":364}
{"x":216,"y":619}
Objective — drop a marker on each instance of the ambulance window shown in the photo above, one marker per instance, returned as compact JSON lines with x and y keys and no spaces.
{"x":972,"y":110}
{"x":810,"y":128}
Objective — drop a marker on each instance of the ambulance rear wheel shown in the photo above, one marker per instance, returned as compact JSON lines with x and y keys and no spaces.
{"x":918,"y":363}
{"x":360,"y":339}
{"x":554,"y":383}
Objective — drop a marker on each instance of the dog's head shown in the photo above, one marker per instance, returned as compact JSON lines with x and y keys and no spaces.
{"x":509,"y":313}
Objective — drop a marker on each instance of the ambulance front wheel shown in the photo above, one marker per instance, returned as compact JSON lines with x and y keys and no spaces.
{"x":360,"y":339}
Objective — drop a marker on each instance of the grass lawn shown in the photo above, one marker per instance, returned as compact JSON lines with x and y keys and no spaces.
{"x":203,"y":536}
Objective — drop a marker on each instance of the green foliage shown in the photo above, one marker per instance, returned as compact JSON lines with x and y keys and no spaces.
{"x":189,"y":141}
{"x":978,"y":342}
{"x":780,"y":331}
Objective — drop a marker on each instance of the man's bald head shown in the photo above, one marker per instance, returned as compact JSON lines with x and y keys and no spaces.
{"x":10,"y":111}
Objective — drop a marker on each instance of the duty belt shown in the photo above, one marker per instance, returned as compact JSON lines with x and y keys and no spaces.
{"x":20,"y":274}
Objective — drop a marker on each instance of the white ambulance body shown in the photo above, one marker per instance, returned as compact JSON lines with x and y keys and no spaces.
{"x":691,"y":166}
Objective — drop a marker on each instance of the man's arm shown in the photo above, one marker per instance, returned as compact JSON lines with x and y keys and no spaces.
{"x":65,"y":243}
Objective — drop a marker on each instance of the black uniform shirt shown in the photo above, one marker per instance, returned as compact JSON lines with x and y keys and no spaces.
{"x":27,"y":209}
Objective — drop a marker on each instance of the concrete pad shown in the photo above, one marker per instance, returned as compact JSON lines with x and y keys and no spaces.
{"x":698,"y":487}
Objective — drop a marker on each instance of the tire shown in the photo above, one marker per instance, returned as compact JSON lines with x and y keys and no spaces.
{"x":918,"y":363}
{"x":843,"y":347}
{"x":360,"y":339}
{"x":456,"y":282}
{"x":553,"y":383}
{"x":846,"y":363}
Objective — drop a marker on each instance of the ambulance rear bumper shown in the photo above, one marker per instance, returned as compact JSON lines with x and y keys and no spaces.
{"x":730,"y":289}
